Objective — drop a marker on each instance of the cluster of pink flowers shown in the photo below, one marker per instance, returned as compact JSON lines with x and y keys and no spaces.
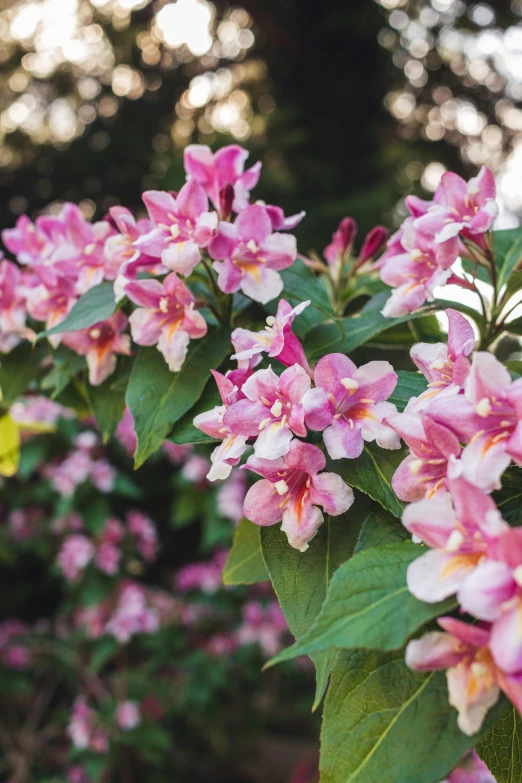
{"x":346,"y":403}
{"x":420,"y":255}
{"x":60,"y":257}
{"x":106,"y":549}
{"x":463,"y":433}
{"x":13,"y":650}
{"x":84,"y":729}
{"x":123,"y":616}
{"x":82,"y":464}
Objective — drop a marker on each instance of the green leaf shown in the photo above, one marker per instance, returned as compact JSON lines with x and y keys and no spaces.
{"x":351,"y":332}
{"x":380,"y":528}
{"x":96,"y":305}
{"x":384,"y":723}
{"x":245,"y":564}
{"x":108,"y":400}
{"x":372,"y":473}
{"x":514,"y":326}
{"x":67,"y":364}
{"x":301,"y":579}
{"x":158,"y":398}
{"x":184,"y":431}
{"x":509,"y":498}
{"x":300,"y":284}
{"x":410,"y":384}
{"x":368,"y":604}
{"x":507,"y":247}
{"x":17,"y":370}
{"x":501,"y":749}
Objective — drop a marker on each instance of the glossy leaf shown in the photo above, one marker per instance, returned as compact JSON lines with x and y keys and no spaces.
{"x":94,"y":306}
{"x":410,"y":384}
{"x":379,"y":528}
{"x":157,"y":397}
{"x":507,"y":247}
{"x":17,"y":369}
{"x":368,"y":604}
{"x":245,"y":564}
{"x":184,"y":431}
{"x":108,"y":400}
{"x":372,"y":473}
{"x":501,"y":749}
{"x":384,"y":723}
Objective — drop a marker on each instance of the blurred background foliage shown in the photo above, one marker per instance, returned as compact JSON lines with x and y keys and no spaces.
{"x":348,"y":104}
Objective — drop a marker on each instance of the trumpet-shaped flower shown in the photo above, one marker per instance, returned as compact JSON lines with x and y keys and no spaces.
{"x":12,"y":307}
{"x":100,"y":344}
{"x":123,"y":259}
{"x":271,"y":411}
{"x":348,"y":403}
{"x":474,"y":681}
{"x":291,"y":491}
{"x":229,"y":452}
{"x":183,"y":225}
{"x":431,"y":445}
{"x":165,"y":317}
{"x":277,"y":339}
{"x":487,"y":418}
{"x":248,"y":256}
{"x":461,"y":528}
{"x":461,"y":207}
{"x":214,"y":171}
{"x":445,"y":367}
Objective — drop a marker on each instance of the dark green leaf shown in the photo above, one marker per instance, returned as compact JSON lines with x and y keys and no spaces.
{"x":108,"y":400}
{"x":351,"y":332}
{"x":410,"y":384}
{"x":509,"y":498}
{"x":67,"y":364}
{"x":380,"y":528}
{"x":384,"y":723}
{"x":184,"y":431}
{"x":368,"y":604}
{"x":514,"y":326}
{"x":507,"y":247}
{"x":245,"y":564}
{"x":17,"y":370}
{"x":300,"y":579}
{"x":372,"y":473}
{"x":300,"y":284}
{"x":501,"y":749}
{"x":96,"y":305}
{"x":158,"y":398}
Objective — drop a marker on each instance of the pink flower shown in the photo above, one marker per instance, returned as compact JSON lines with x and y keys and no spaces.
{"x":126,"y":433}
{"x":291,"y":490}
{"x":232,"y":446}
{"x":474,"y":681}
{"x":461,"y":533}
{"x":100,"y":344}
{"x":461,"y":207}
{"x":445,"y":367}
{"x":29,"y":242}
{"x":248,"y":256}
{"x":349,"y":405}
{"x":341,"y":246}
{"x":271,"y":410}
{"x":165,"y":317}
{"x":123,"y":259}
{"x":103,"y":475}
{"x":225,"y":167}
{"x":431,"y":445}
{"x":12,"y":307}
{"x":132,"y":615}
{"x":206,"y":577}
{"x":195,"y":469}
{"x":128,"y":715}
{"x":107,"y":558}
{"x":83,"y":244}
{"x":264,"y":626}
{"x":144,"y":531}
{"x":414,"y":266}
{"x":494,"y":593}
{"x":51,"y":303}
{"x":278,"y":340}
{"x":80,"y":728}
{"x":75,"y":554}
{"x":231,"y":495}
{"x":486,"y":417}
{"x":183,"y":225}
{"x":278,"y":219}
{"x":471,"y":769}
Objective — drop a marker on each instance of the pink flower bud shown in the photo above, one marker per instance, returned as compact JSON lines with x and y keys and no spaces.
{"x":373,"y":244}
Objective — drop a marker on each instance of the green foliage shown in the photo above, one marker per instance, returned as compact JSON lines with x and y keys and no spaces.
{"x":372,"y":473}
{"x":245,"y":564}
{"x":184,"y":431}
{"x":351,"y":332}
{"x":384,"y":723}
{"x":67,"y":365}
{"x":368,"y":604}
{"x":410,"y":384}
{"x":509,"y":498}
{"x":379,"y":527}
{"x":301,"y":579}
{"x":107,"y":401}
{"x":302,"y":284}
{"x":507,"y":248}
{"x":17,"y":369}
{"x":96,"y":305}
{"x":158,"y":398}
{"x":501,"y":749}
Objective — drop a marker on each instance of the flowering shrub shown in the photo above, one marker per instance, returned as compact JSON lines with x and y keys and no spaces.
{"x":413,"y":628}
